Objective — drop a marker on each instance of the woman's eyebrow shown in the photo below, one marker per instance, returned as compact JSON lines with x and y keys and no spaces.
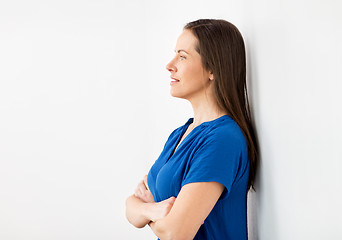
{"x":182,"y":50}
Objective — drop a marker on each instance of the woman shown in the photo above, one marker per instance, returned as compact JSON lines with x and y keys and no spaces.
{"x":197,"y":188}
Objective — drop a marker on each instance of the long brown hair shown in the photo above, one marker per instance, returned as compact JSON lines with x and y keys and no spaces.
{"x":222,"y":50}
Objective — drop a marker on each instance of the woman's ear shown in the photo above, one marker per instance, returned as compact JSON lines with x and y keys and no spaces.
{"x":211,"y":76}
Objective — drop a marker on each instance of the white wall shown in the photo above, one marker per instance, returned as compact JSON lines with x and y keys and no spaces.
{"x":295,"y":59}
{"x":85,"y":110}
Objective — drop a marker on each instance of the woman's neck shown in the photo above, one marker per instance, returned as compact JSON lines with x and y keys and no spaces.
{"x":206,"y":110}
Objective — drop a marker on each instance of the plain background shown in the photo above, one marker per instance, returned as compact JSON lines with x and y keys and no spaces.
{"x":85,"y":110}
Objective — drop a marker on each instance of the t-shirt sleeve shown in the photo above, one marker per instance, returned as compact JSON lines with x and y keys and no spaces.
{"x":218,"y":159}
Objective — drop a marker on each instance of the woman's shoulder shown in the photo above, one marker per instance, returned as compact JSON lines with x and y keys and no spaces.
{"x":226,"y":130}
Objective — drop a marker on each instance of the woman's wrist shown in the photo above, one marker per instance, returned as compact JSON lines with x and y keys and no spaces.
{"x":137,"y":211}
{"x":148,"y":210}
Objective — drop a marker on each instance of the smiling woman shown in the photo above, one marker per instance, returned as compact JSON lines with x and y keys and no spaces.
{"x":197,"y":188}
{"x":186,"y":67}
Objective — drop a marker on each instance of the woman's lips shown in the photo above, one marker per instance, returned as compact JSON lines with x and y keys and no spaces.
{"x":174,"y":81}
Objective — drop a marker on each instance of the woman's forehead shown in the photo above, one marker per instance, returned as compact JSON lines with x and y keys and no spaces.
{"x":186,"y":42}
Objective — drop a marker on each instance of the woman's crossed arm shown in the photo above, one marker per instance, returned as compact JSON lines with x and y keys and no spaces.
{"x":192,"y":206}
{"x":174,"y":218}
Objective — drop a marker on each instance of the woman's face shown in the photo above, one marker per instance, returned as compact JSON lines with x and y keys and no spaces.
{"x":189,"y":79}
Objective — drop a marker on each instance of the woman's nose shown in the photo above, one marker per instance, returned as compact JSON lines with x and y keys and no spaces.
{"x":171,"y":67}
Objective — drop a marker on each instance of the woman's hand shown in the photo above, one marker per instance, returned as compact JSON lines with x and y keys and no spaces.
{"x":140,"y":213}
{"x":143,"y":192}
{"x":141,"y":209}
{"x":157,"y":210}
{"x":161,"y":209}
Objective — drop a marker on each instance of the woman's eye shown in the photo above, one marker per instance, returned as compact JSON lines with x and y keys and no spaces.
{"x":183,"y":57}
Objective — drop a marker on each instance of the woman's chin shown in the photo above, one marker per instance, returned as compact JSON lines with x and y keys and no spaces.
{"x":175,"y":94}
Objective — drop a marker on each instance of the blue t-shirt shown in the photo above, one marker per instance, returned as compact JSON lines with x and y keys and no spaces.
{"x":213,"y":151}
